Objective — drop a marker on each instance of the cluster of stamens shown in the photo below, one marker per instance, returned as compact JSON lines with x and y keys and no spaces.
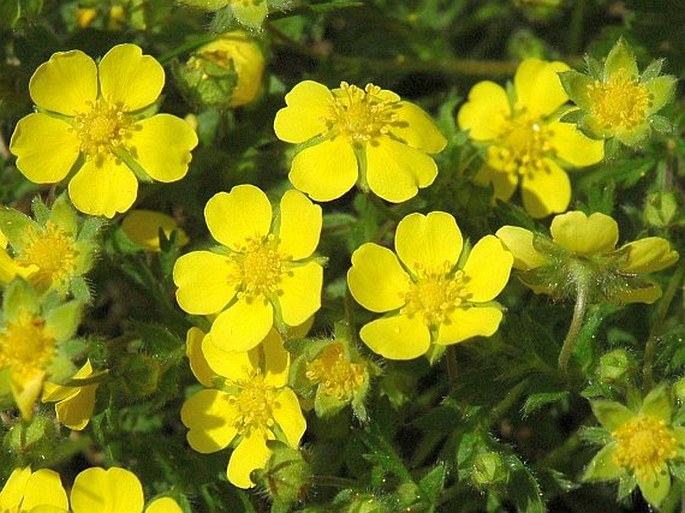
{"x":260,"y":267}
{"x":26,"y":346}
{"x":645,"y":444}
{"x":103,"y":129}
{"x":434,"y":294}
{"x":335,"y":374}
{"x":621,"y":102}
{"x":254,"y":403}
{"x":51,"y":249}
{"x":522,"y":147}
{"x":360,"y":115}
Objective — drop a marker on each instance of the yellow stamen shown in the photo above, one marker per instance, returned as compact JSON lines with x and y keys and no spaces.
{"x":260,"y":267}
{"x":254,"y":404}
{"x":361,"y":115}
{"x":335,"y":374}
{"x":522,"y":147}
{"x":103,"y":129}
{"x":26,"y":346}
{"x":621,"y":102}
{"x":435,"y":294}
{"x":645,"y":444}
{"x":52,"y":250}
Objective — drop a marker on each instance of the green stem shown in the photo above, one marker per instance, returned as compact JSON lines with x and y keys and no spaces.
{"x":582,"y":292}
{"x":658,"y":325}
{"x":451,"y":362}
{"x":509,"y":400}
{"x":334,"y":481}
{"x":575,"y":33}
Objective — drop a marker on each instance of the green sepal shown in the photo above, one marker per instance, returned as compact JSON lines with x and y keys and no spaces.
{"x":64,"y":320}
{"x":611,"y":414}
{"x":593,"y":68}
{"x":251,"y":16}
{"x":620,"y":56}
{"x":572,"y":116}
{"x":15,"y":225}
{"x":60,"y":368}
{"x":575,"y":84}
{"x":626,"y":486}
{"x":5,"y":382}
{"x":602,"y":467}
{"x":657,"y":404}
{"x":661,"y":124}
{"x":652,"y":71}
{"x":655,"y":487}
{"x":207,"y":5}
{"x":62,"y":214}
{"x":41,"y":213}
{"x":19,"y":296}
{"x":662,"y":90}
{"x":326,"y":406}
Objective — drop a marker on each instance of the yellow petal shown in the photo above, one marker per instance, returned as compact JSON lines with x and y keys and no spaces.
{"x":430,"y":243}
{"x":142,"y":227}
{"x":465,"y":323}
{"x":547,"y":191}
{"x":250,"y":454}
{"x":129,"y":78}
{"x":397,"y":337}
{"x":13,"y":490}
{"x":276,"y":360}
{"x":301,"y":296}
{"x":243,"y":325}
{"x":46,"y":148}
{"x":210,"y":418}
{"x":326,"y":170}
{"x":305,"y":115}
{"x":647,"y":294}
{"x":538,"y":88}
{"x":519,"y":242}
{"x":573,"y":147}
{"x":103,"y":188}
{"x":288,"y":415}
{"x":487,"y":269}
{"x":300,"y":226}
{"x":67,"y":83}
{"x":44,"y":488}
{"x":198,"y":363}
{"x":395,"y":171}
{"x":416,"y":128}
{"x":376,"y":279}
{"x":161,"y":145}
{"x":485,"y":112}
{"x":75,"y":412}
{"x":232,"y":365}
{"x":233,"y":217}
{"x":206,"y":282}
{"x":594,"y":235}
{"x":26,"y":390}
{"x":106,"y":491}
{"x":503,"y":183}
{"x":649,"y":255}
{"x":164,"y":505}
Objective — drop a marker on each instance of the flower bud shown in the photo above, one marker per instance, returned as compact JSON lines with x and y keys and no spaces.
{"x":615,"y":366}
{"x":661,"y":208}
{"x":489,"y":469}
{"x":286,"y":476}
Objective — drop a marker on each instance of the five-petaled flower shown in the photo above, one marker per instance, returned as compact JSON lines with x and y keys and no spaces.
{"x":368,"y":136}
{"x":246,"y":402}
{"x":526,"y":141}
{"x":96,"y":119}
{"x":429,"y":300}
{"x":263,"y":272}
{"x":642,"y":444}
{"x":582,"y":253}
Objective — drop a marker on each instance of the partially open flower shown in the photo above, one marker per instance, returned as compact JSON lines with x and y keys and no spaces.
{"x":73,"y":404}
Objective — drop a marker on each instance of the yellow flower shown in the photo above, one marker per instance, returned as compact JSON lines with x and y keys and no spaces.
{"x":142,"y":227}
{"x":584,"y":248}
{"x":29,"y":341}
{"x":114,"y":490}
{"x":368,"y":136}
{"x":249,"y":404}
{"x":335,"y":375}
{"x":526,"y":141}
{"x":25,"y":492}
{"x":98,"y":116}
{"x":74,"y":405}
{"x":641,"y":445}
{"x":263,"y":272}
{"x":429,"y":299}
{"x":236,"y":51}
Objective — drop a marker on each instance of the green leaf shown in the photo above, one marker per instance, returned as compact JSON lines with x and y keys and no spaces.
{"x":432,"y":484}
{"x":538,"y":400}
{"x":523,"y":487}
{"x":384,"y":454}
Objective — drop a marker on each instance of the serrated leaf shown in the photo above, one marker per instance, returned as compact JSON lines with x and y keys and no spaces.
{"x":523,"y":487}
{"x":433,"y":483}
{"x":384,"y":455}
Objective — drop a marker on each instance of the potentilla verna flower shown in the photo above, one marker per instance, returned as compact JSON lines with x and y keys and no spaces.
{"x":246,"y":402}
{"x":263,"y":273}
{"x":642,"y":445}
{"x":352,"y":135}
{"x":526,"y":142}
{"x":96,"y":118}
{"x":615,"y":100}
{"x":427,"y":298}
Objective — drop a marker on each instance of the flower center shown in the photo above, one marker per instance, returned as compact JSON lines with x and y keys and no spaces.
{"x":26,"y":345}
{"x":434,"y":295}
{"x":644,"y":445}
{"x":522,"y":147}
{"x":360,"y":115}
{"x":620,"y":102}
{"x":335,"y":374}
{"x":52,"y":250}
{"x":260,"y":267}
{"x":103,"y":129}
{"x":254,"y":403}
